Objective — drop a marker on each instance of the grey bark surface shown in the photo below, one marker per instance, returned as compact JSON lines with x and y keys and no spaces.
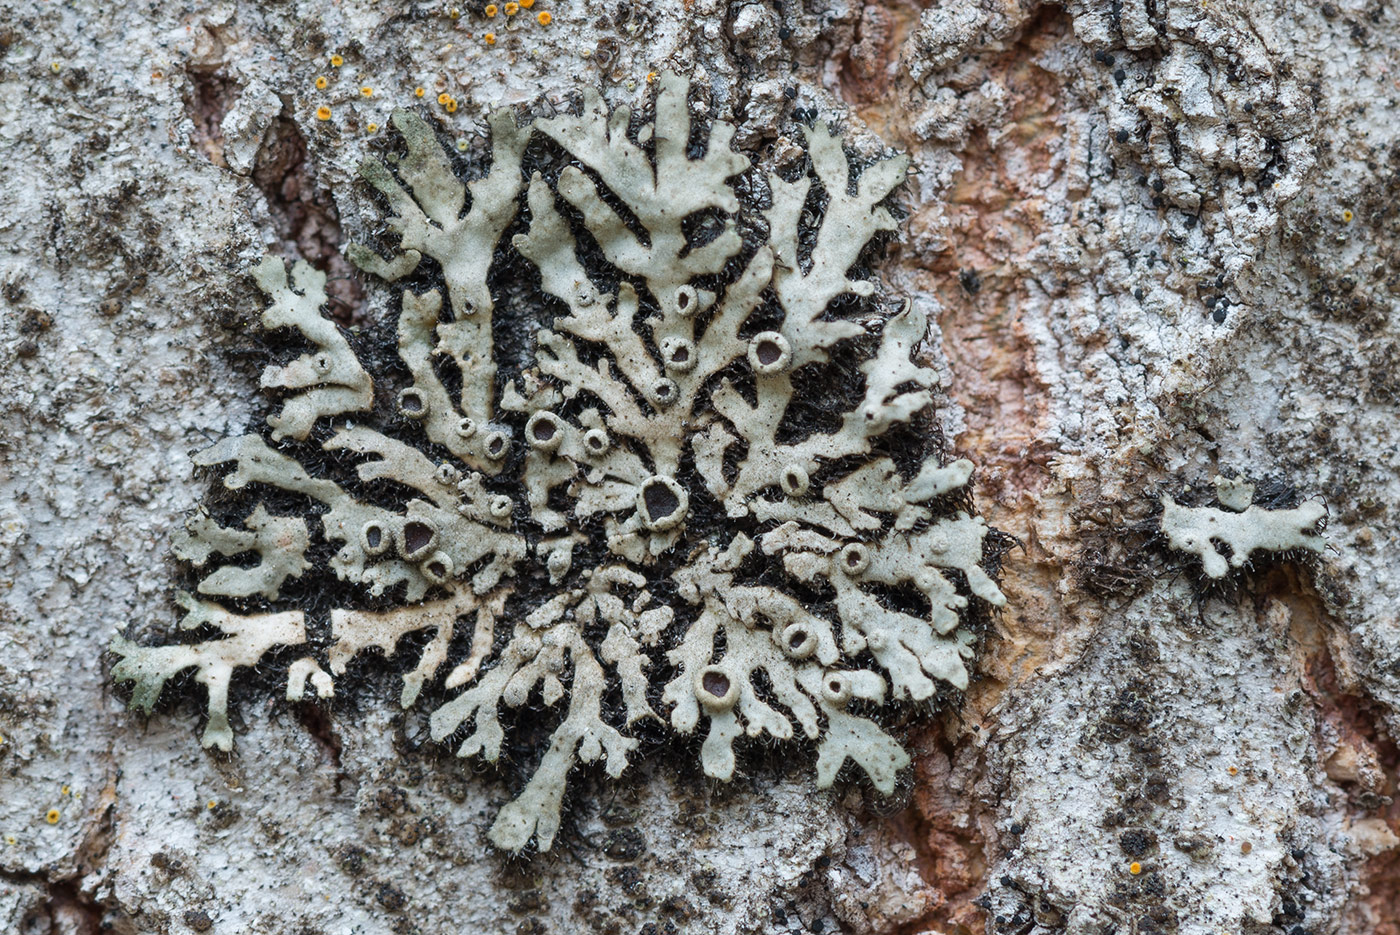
{"x":1159,"y":242}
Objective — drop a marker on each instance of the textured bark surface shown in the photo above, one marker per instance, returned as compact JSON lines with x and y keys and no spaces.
{"x":1160,"y":241}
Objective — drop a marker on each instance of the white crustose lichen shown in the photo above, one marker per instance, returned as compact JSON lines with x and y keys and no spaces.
{"x":704,"y":494}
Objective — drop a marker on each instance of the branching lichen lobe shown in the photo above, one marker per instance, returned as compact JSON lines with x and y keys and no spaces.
{"x":1240,"y":527}
{"x":633,"y":507}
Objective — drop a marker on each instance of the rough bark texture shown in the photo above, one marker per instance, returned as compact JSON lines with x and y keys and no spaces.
{"x":1160,"y":241}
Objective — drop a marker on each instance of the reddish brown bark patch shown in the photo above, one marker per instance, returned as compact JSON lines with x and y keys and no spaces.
{"x":866,"y":72}
{"x":990,"y":222}
{"x":208,"y":97}
{"x":1354,"y":746}
{"x":305,"y":216}
{"x":995,"y":213}
{"x":1360,"y":756}
{"x":943,"y":826}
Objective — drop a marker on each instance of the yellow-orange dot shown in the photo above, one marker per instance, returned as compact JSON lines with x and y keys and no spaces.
{"x":56,"y":67}
{"x":1233,"y":770}
{"x":337,"y":61}
{"x":419,"y":92}
{"x":651,"y":76}
{"x":1347,"y":216}
{"x":321,"y":82}
{"x":544,"y":18}
{"x":454,"y":13}
{"x":211,"y":803}
{"x":366,"y":91}
{"x":444,"y":97}
{"x":451,"y":106}
{"x":51,"y":816}
{"x":512,"y":9}
{"x":1135,"y":868}
{"x":323,"y":112}
{"x":489,"y":38}
{"x":490,"y":10}
{"x":1246,"y":847}
{"x":371,"y":127}
{"x":526,"y":4}
{"x":65,"y":790}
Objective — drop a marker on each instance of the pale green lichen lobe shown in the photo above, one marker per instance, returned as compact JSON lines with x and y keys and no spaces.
{"x":768,"y":578}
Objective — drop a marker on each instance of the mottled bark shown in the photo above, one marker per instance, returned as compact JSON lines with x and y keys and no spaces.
{"x":1159,"y":241}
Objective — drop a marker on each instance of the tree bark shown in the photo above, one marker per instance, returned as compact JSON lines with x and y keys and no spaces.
{"x":1160,"y":244}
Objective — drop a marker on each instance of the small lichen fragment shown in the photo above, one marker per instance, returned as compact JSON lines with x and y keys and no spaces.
{"x":246,"y":639}
{"x":700,"y":491}
{"x":1244,"y":529}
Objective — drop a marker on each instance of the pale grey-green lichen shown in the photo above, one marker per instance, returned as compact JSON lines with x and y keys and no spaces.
{"x":246,"y":638}
{"x":1243,"y":527}
{"x":280,"y":541}
{"x":330,"y":377}
{"x":704,"y":498}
